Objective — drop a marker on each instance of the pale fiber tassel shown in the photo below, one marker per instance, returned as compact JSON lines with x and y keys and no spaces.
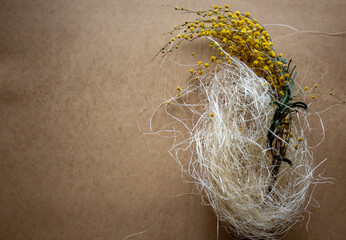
{"x":231,"y":162}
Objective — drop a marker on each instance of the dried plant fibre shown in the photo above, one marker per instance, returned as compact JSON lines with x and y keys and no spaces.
{"x":231,"y":163}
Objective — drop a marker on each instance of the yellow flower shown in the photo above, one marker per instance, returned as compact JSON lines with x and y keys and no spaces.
{"x":272,"y":54}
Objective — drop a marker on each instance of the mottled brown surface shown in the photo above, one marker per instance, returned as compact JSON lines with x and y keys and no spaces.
{"x":74,"y":75}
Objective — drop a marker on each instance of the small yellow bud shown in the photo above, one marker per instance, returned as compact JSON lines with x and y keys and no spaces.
{"x":300,"y":139}
{"x":178,"y":88}
{"x":306,"y":88}
{"x":211,"y":114}
{"x":206,"y":65}
{"x":191,"y":71}
{"x":272,"y":54}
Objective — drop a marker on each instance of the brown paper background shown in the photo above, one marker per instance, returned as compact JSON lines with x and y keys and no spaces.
{"x":74,"y":76}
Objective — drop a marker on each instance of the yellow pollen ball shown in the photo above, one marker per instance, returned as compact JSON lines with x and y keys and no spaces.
{"x":272,"y":54}
{"x":211,"y":114}
{"x":191,"y":71}
{"x":206,"y":65}
{"x":306,"y":88}
{"x":300,"y":139}
{"x":178,"y":88}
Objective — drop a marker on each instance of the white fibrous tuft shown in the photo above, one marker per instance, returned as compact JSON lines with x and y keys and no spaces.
{"x":230,"y":160}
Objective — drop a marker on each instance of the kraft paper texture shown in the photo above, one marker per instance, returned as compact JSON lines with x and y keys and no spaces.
{"x":77,"y":89}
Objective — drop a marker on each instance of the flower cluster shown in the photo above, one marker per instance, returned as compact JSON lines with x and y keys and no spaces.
{"x":235,"y":35}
